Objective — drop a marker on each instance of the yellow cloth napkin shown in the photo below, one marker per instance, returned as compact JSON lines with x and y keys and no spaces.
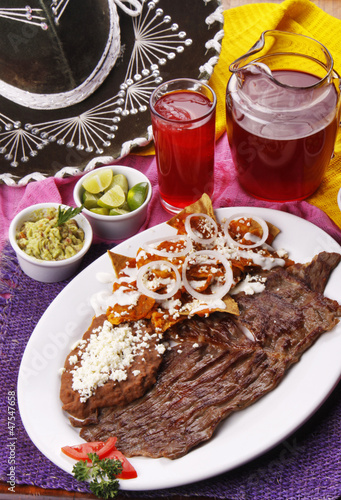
{"x":243,"y":26}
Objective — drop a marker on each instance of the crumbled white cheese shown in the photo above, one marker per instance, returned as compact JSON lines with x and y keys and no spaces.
{"x":73,"y":359}
{"x":142,"y":254}
{"x":76,"y":344}
{"x":172,"y":306}
{"x":105,"y":357}
{"x":282,"y":253}
{"x":160,"y":348}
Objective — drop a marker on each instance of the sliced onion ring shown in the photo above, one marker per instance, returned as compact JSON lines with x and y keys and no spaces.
{"x":260,"y":221}
{"x":149,"y":268}
{"x":195,"y":237}
{"x":164,"y":253}
{"x":223,"y":290}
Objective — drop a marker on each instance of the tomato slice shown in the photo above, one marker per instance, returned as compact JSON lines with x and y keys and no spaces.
{"x":128,"y":471}
{"x":109,"y":445}
{"x":80,"y":451}
{"x":103,"y":449}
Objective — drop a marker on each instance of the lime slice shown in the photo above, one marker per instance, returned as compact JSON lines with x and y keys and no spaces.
{"x":90,"y":200}
{"x":113,"y":198}
{"x":137,"y":195}
{"x":98,"y":181}
{"x":100,"y":211}
{"x":118,"y":211}
{"x":125,"y":207}
{"x":120,"y":180}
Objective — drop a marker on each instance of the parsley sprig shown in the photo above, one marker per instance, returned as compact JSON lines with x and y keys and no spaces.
{"x":101,"y":474}
{"x":65,"y":214}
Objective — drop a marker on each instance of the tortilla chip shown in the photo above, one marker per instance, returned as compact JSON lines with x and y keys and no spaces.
{"x":203,"y":206}
{"x":146,"y":258}
{"x":254,"y":227}
{"x":273,"y":232}
{"x":162,"y":321}
{"x":231,"y":305}
{"x":119,"y":262}
{"x":121,"y":314}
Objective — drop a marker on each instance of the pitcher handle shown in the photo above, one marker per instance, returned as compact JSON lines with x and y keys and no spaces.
{"x":137,"y":4}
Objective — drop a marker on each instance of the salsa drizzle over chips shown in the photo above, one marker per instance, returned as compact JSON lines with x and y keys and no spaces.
{"x":194,"y":271}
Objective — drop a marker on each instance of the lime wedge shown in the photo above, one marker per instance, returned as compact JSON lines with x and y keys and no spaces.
{"x":113,"y":198}
{"x":120,"y":180}
{"x":137,"y":195}
{"x":118,"y":211}
{"x":90,"y":200}
{"x":125,"y":207}
{"x":98,"y":181}
{"x":100,"y":211}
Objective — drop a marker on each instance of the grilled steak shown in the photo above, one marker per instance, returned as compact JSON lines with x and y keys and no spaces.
{"x":197,"y":388}
{"x":215,"y":369}
{"x":315,"y":274}
{"x":289,"y":315}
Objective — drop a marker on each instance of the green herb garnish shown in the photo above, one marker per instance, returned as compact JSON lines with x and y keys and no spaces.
{"x":65,"y":214}
{"x":101,"y":473}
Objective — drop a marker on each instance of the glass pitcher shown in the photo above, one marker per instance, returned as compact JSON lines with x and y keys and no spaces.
{"x":282,"y":114}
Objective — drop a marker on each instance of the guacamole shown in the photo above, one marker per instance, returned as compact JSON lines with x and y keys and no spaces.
{"x":43,"y":239}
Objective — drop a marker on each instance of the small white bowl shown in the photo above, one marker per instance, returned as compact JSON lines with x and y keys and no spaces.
{"x":44,"y":270}
{"x":116,"y":227}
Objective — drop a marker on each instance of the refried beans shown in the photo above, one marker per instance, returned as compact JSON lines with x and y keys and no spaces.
{"x":123,"y":361}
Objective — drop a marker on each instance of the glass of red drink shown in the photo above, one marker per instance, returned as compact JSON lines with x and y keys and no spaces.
{"x":282,"y":114}
{"x":183,"y":120}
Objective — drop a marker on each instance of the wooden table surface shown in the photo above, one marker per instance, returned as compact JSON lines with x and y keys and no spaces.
{"x":333,"y":7}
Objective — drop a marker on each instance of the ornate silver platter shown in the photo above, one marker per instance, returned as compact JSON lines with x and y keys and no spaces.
{"x":168,"y":39}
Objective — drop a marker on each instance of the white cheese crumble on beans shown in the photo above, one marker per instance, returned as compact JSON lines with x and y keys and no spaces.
{"x":106,"y":356}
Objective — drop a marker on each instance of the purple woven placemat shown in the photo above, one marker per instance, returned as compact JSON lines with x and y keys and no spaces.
{"x":307,"y":466}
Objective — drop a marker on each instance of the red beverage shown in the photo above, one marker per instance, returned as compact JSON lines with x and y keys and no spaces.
{"x":283,"y":155}
{"x":184,"y":136}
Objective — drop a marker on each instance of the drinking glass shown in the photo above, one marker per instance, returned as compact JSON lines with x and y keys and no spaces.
{"x":183,"y":119}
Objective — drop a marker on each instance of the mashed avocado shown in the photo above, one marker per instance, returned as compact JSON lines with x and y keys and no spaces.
{"x":43,"y":239}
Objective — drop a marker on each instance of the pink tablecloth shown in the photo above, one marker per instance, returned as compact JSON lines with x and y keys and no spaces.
{"x":227,"y":193}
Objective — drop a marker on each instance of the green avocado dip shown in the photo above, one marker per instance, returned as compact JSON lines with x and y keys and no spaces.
{"x":43,"y":239}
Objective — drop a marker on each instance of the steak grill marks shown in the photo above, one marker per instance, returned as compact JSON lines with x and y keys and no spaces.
{"x":215,"y":369}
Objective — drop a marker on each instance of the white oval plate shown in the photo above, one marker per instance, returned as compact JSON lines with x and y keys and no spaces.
{"x":241,"y":437}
